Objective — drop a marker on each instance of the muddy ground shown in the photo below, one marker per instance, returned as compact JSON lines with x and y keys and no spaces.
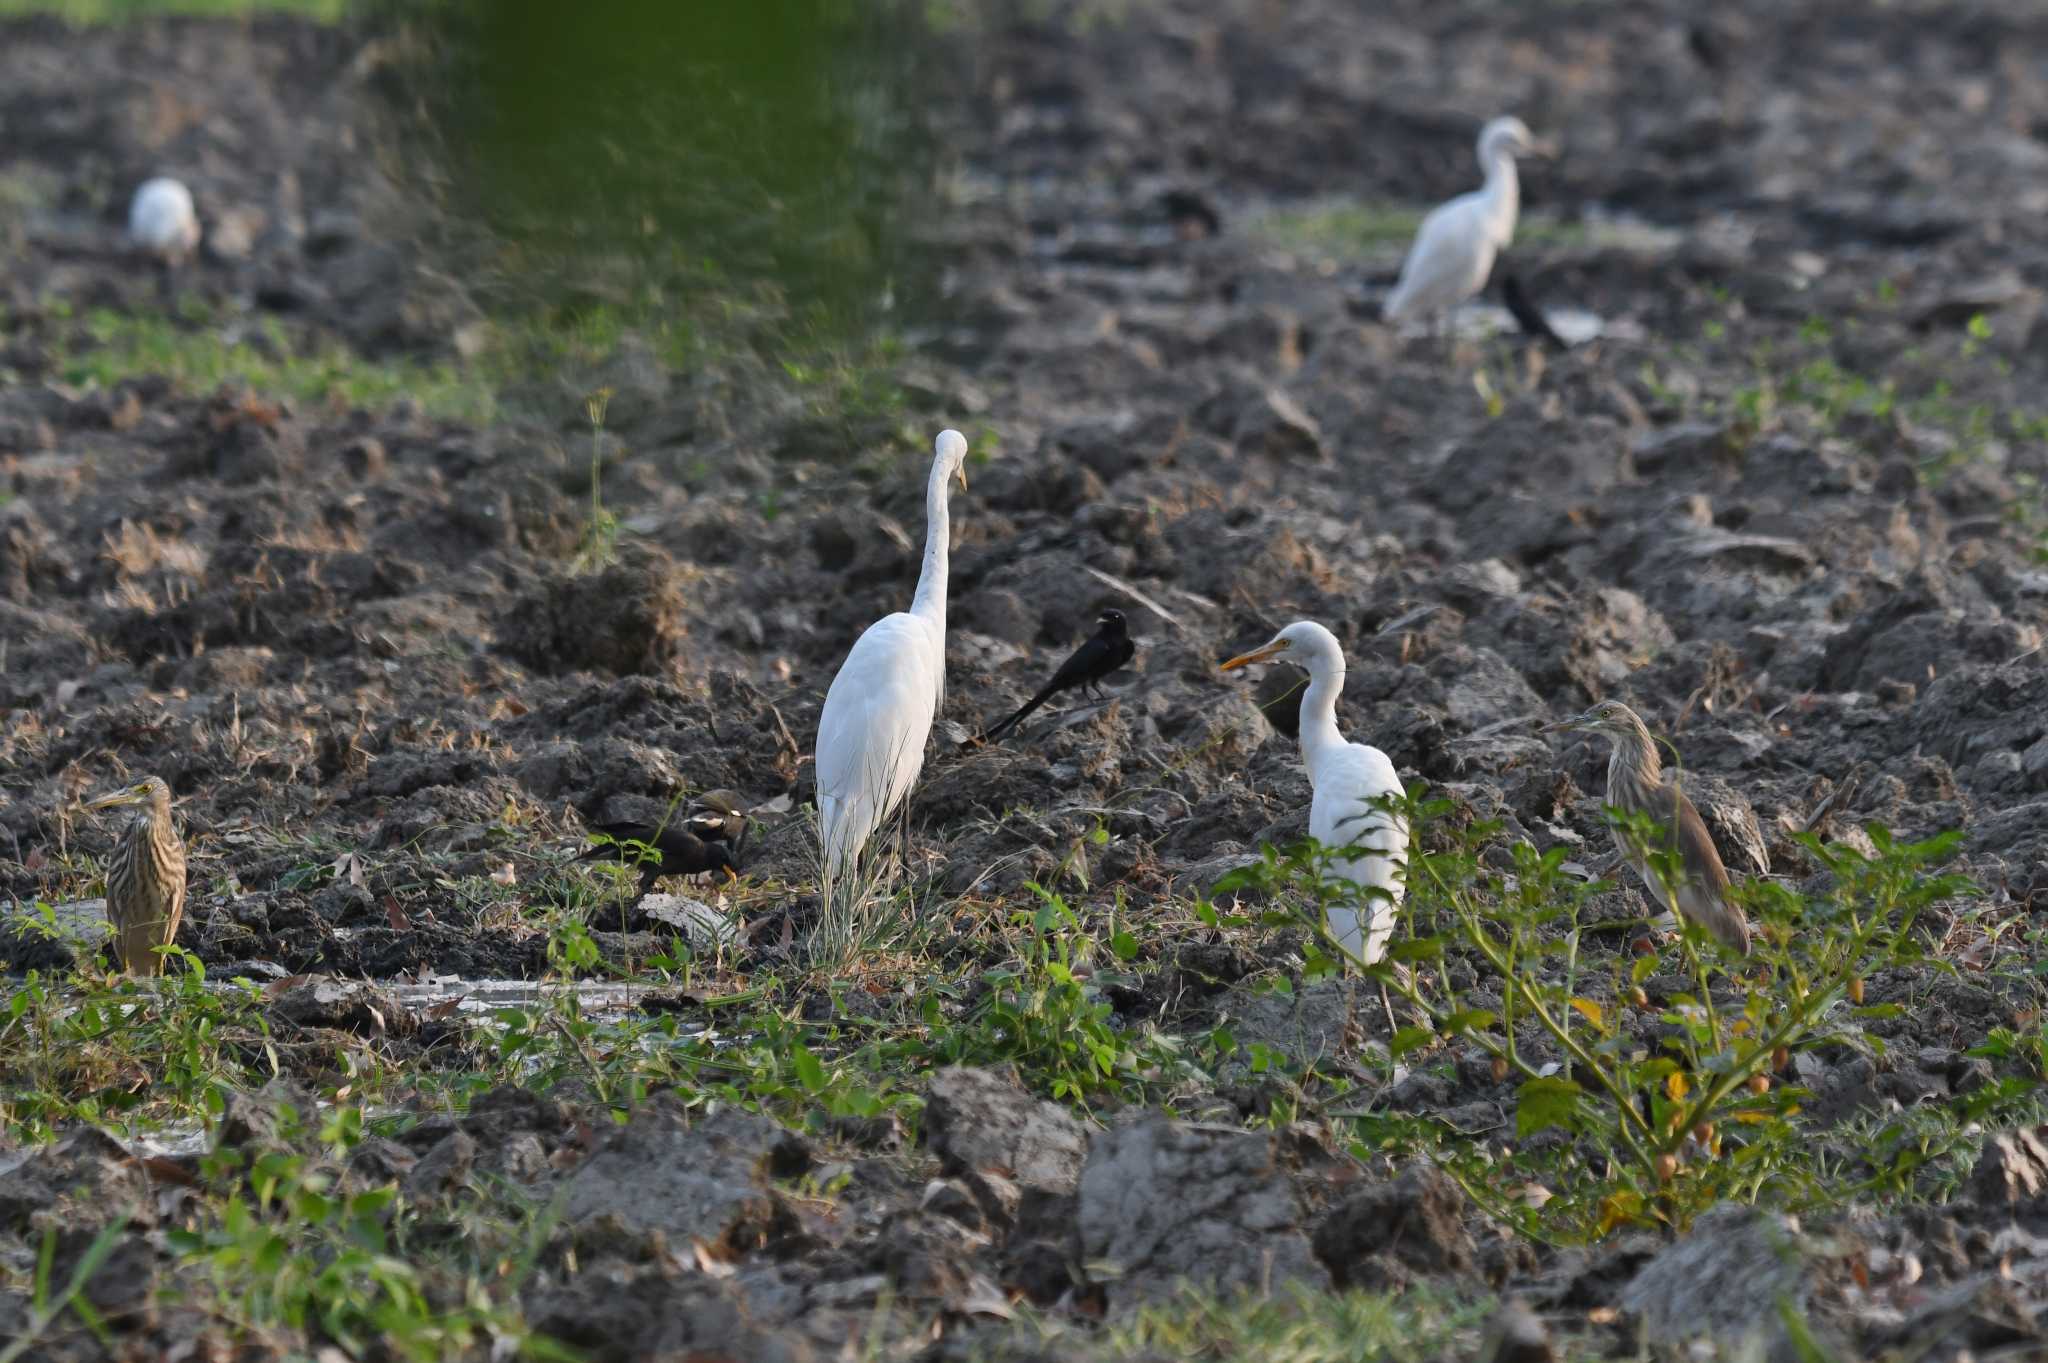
{"x":338,"y":629}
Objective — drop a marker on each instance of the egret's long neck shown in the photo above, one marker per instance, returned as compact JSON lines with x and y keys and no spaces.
{"x":1319,"y":736}
{"x":930,"y":601}
{"x":1503,"y":195}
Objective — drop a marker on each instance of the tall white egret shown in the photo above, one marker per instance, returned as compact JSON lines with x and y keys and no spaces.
{"x":1456,"y":244}
{"x":1348,"y":778}
{"x":162,"y":221}
{"x":880,"y":707}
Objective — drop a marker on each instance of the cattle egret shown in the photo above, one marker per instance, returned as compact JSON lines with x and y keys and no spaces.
{"x":1352,"y":781}
{"x":1455,"y":247}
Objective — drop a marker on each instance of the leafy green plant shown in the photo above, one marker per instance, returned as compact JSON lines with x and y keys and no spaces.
{"x":1667,"y":1108}
{"x":1049,"y":1019}
{"x":82,"y":1050}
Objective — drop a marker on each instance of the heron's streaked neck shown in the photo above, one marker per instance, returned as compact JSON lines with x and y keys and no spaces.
{"x":1503,"y":194}
{"x":1636,"y":757}
{"x":1319,"y":736}
{"x":930,"y":601}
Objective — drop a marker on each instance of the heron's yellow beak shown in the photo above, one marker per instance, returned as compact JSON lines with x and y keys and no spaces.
{"x":1257,"y":655}
{"x":1565,"y":725}
{"x":134,"y":795}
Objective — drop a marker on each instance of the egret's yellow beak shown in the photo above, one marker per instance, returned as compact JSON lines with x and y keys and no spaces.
{"x":1544,"y":147}
{"x":961,"y":474}
{"x":1257,"y":655}
{"x":134,"y":795}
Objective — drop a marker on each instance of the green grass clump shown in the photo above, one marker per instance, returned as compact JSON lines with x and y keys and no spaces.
{"x":199,"y":357}
{"x":124,"y":11}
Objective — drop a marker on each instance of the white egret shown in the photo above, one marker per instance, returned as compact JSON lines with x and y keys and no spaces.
{"x":880,"y":707}
{"x":1348,"y":778}
{"x":1456,"y":244}
{"x":162,"y":221}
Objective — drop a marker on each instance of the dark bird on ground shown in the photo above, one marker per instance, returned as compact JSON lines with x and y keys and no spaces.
{"x":146,"y":883}
{"x":1108,"y":649}
{"x":671,"y":851}
{"x":718,"y":816}
{"x":1636,"y":784}
{"x":1528,"y":316}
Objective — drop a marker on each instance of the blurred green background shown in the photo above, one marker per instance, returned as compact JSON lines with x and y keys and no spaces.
{"x":679,"y":167}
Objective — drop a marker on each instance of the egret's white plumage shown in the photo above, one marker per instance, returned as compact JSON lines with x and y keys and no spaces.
{"x":880,"y":707}
{"x":1455,"y":247}
{"x":161,"y":219}
{"x":1348,"y":778}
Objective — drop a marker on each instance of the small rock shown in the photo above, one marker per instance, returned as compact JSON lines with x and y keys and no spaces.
{"x":1275,"y":425}
{"x":344,"y":1005}
{"x":1170,"y":1203}
{"x":704,"y":1182}
{"x":1686,"y":445}
{"x":1708,"y":1284}
{"x":2013,"y":1168}
{"x":976,"y":1120}
{"x":1386,"y":1235}
{"x":626,"y":619}
{"x":442,"y":1169}
{"x":85,"y":1180}
{"x":364,"y":459}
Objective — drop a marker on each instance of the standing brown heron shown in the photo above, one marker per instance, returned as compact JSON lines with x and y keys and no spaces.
{"x":1636,"y":784}
{"x":146,"y":883}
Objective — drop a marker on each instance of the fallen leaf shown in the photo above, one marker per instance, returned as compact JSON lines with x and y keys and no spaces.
{"x":169,"y":1171}
{"x":395,"y":915}
{"x":505,"y":875}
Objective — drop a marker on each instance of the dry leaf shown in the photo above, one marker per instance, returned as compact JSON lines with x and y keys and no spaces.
{"x":395,"y":915}
{"x":169,"y":1171}
{"x":505,"y":875}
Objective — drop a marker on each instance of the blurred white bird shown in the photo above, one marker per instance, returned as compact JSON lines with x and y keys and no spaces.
{"x":1348,"y":778}
{"x":161,"y":220}
{"x":880,"y":707}
{"x":1456,"y":244}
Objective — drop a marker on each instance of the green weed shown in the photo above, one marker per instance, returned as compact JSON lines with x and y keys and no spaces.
{"x":115,"y":347}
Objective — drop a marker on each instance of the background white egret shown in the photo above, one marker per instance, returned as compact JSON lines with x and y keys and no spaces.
{"x":880,"y":707}
{"x":1348,"y":778}
{"x":161,"y":220}
{"x":1455,"y":246}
